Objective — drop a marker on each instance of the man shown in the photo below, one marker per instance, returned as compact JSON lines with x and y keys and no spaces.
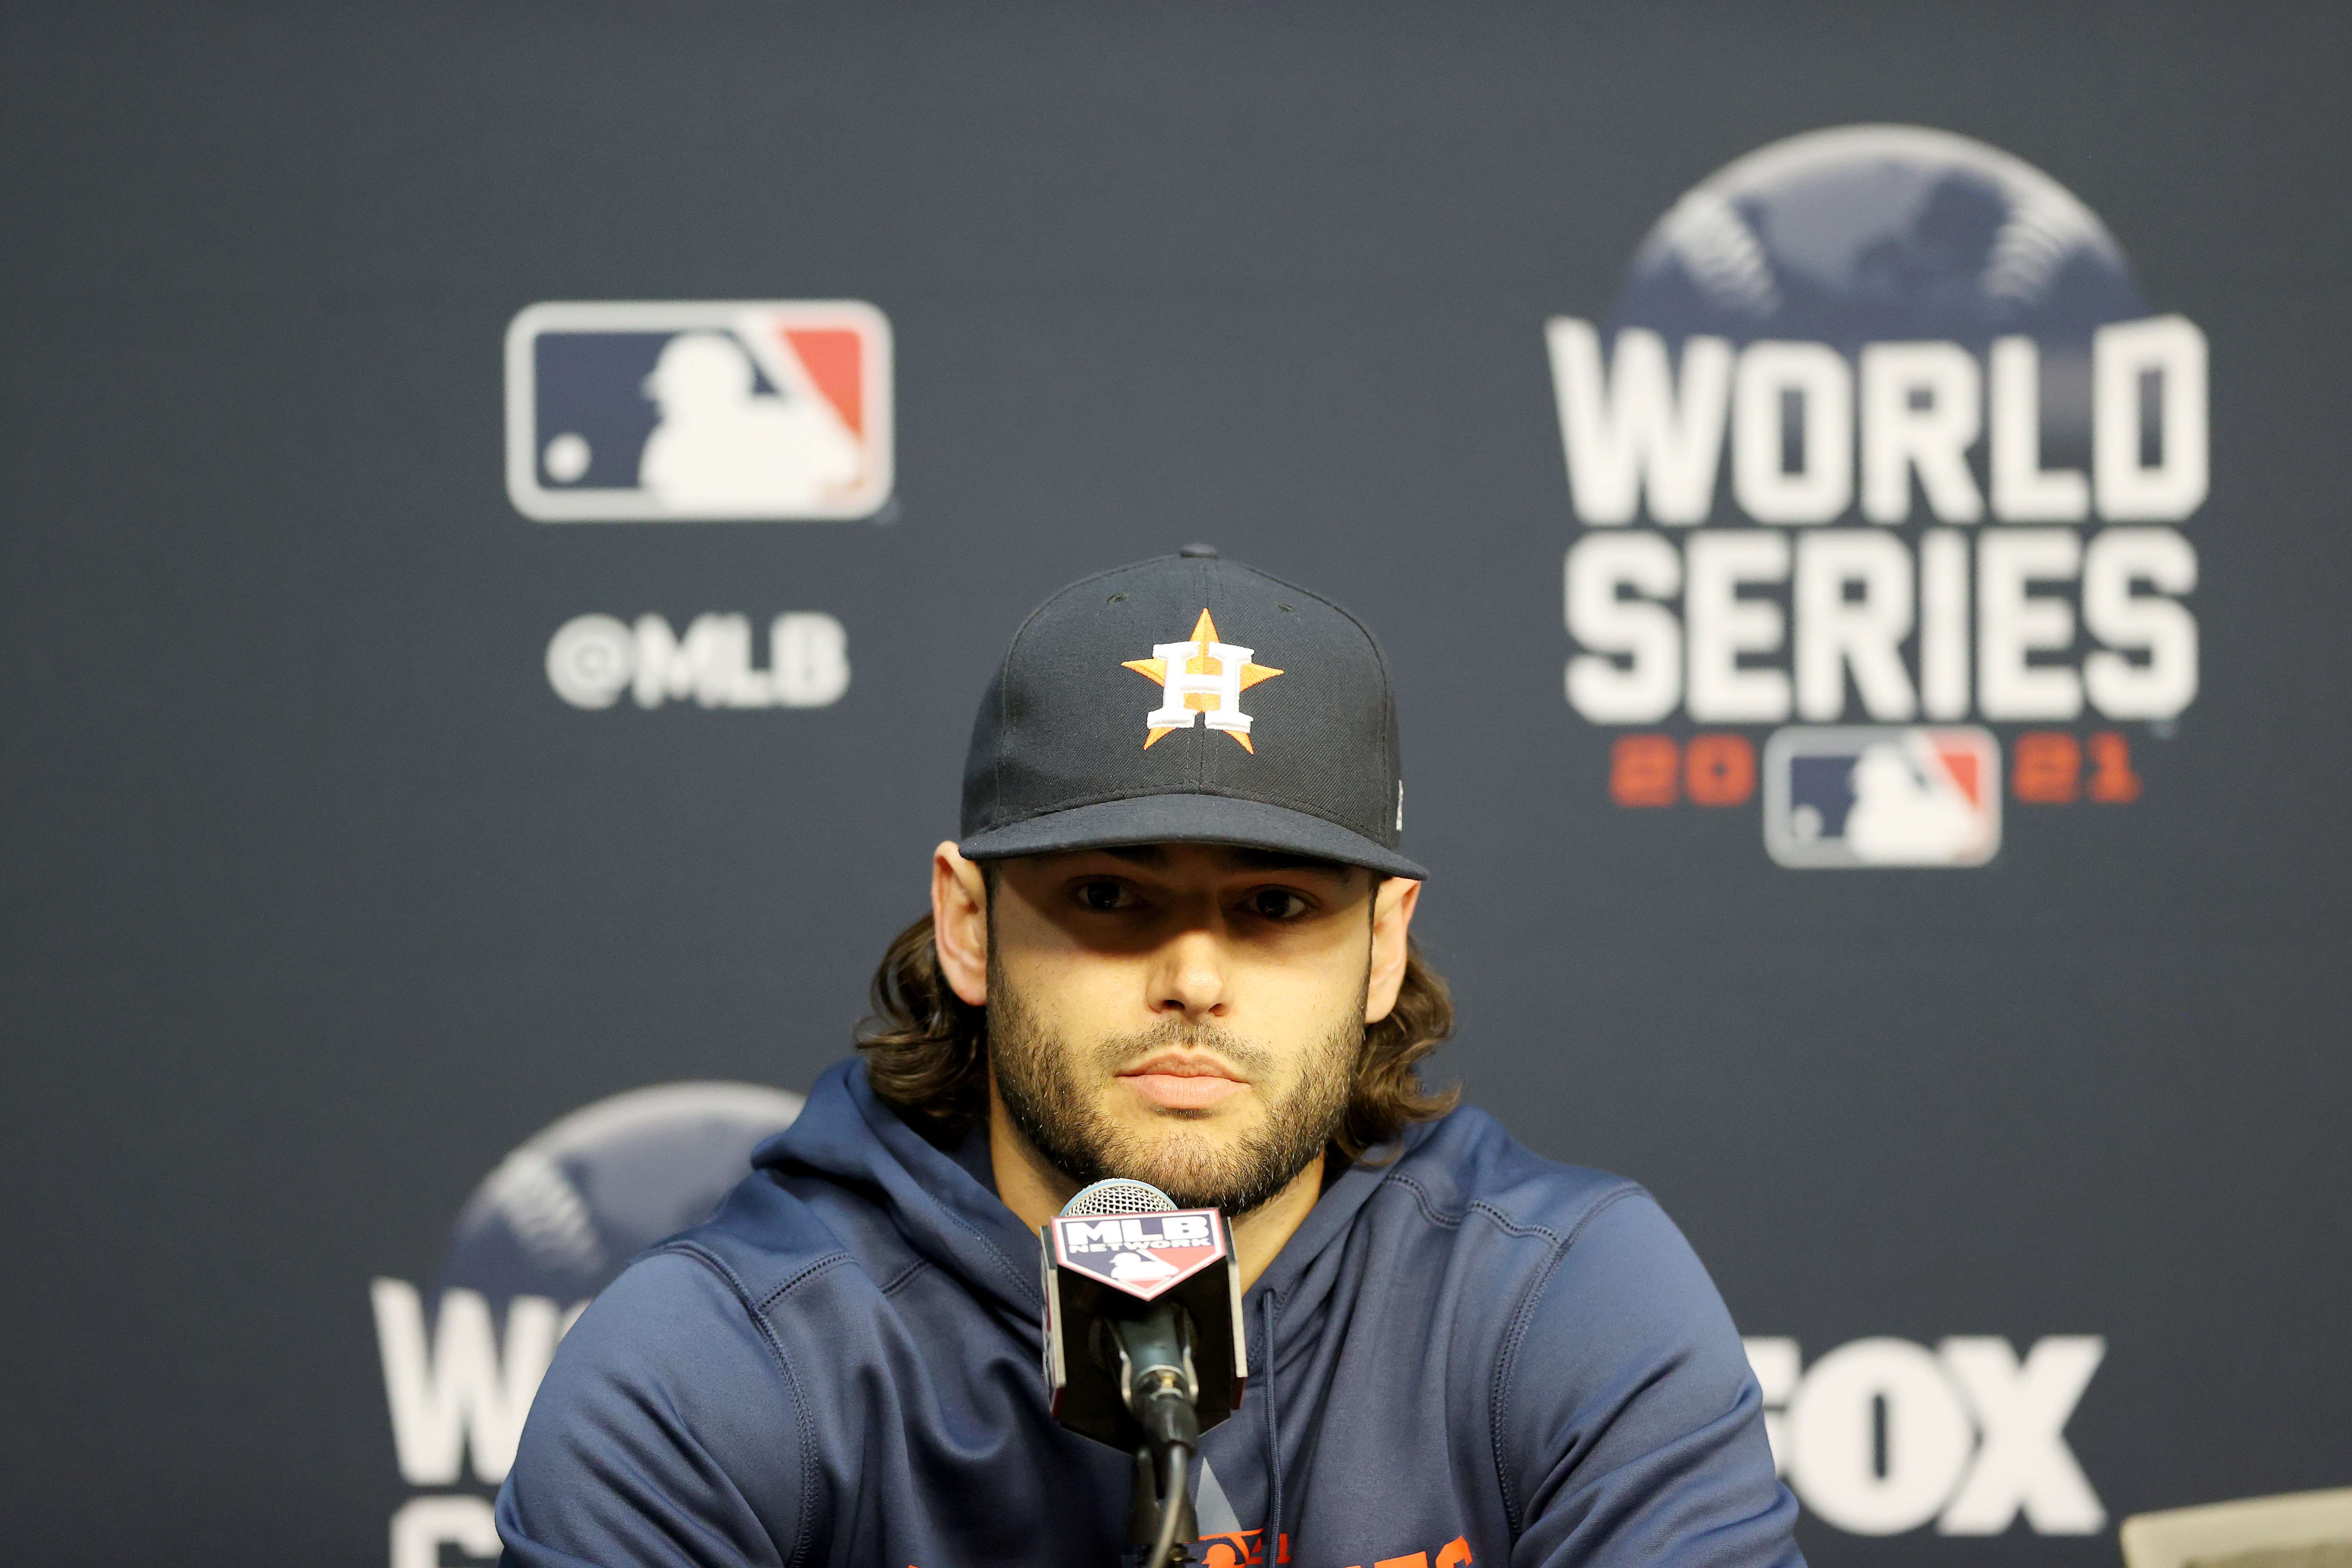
{"x":1174,"y":944}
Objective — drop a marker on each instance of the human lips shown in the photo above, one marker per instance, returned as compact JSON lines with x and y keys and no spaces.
{"x":1174,"y":1081}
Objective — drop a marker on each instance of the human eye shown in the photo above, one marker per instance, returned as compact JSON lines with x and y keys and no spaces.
{"x":1106,"y":895}
{"x":1278,"y":904}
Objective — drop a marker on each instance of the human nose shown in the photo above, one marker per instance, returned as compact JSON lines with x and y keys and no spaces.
{"x":1190,"y":978}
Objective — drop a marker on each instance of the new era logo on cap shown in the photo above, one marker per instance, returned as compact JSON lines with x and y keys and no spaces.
{"x":1297,"y":755}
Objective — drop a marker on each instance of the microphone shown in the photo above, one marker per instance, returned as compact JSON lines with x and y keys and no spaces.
{"x":1143,"y":1340}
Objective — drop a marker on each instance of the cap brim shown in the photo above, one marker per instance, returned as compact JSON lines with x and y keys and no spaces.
{"x":1187,"y":818}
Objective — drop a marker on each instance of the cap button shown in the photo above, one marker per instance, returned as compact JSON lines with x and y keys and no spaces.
{"x":1199,"y":552}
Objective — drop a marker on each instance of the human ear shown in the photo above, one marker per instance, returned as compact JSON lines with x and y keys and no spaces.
{"x":1393,"y":902}
{"x":960,"y":923}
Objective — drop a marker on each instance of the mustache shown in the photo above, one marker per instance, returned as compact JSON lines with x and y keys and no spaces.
{"x":1116,"y":1052}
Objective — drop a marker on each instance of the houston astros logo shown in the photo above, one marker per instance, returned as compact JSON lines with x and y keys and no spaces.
{"x":1200,"y":676}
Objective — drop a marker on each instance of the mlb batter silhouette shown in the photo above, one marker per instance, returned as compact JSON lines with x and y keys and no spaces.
{"x":723,"y":447}
{"x":1901,"y":818}
{"x":1139,"y":1265}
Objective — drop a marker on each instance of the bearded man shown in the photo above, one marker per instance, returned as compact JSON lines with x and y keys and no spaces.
{"x":1173,"y":944}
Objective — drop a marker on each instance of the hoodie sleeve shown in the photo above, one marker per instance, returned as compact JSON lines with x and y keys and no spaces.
{"x":1632,"y":1431}
{"x":666,"y":1434}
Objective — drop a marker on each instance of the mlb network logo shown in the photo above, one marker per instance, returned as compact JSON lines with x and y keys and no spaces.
{"x":713,"y":410}
{"x":1881,"y":795}
{"x":1141,"y":1254}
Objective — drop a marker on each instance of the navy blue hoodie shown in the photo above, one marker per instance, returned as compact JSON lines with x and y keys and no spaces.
{"x":1466,"y":1356}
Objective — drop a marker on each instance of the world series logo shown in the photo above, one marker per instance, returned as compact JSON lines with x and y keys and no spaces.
{"x":554,"y":1224}
{"x":1880,"y":468}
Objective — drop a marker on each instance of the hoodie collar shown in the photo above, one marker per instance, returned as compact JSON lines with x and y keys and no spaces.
{"x":1303,"y":1273}
{"x":944,"y":1204}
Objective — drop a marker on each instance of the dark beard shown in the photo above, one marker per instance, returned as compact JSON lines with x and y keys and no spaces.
{"x":1044,"y":1093}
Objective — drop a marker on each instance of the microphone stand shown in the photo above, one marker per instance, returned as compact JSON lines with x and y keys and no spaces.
{"x":1120,"y":1360}
{"x":1147,"y":1517}
{"x":1160,"y":1390}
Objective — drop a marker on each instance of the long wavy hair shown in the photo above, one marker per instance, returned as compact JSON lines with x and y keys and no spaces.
{"x":926,"y":1048}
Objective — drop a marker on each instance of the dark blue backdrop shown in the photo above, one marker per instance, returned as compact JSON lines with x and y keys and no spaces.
{"x":320,"y":900}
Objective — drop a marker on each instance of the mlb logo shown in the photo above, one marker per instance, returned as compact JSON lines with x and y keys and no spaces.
{"x":741,"y":410}
{"x":1882,"y":796}
{"x":1142,"y":1254}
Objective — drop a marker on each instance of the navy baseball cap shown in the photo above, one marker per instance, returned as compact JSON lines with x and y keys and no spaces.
{"x":1188,"y":699}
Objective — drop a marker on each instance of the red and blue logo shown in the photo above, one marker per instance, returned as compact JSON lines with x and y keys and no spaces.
{"x":1871,"y":796}
{"x":712,"y":410}
{"x":1142,"y":1254}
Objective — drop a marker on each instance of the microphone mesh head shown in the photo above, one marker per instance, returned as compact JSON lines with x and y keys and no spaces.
{"x":1119,"y":1195}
